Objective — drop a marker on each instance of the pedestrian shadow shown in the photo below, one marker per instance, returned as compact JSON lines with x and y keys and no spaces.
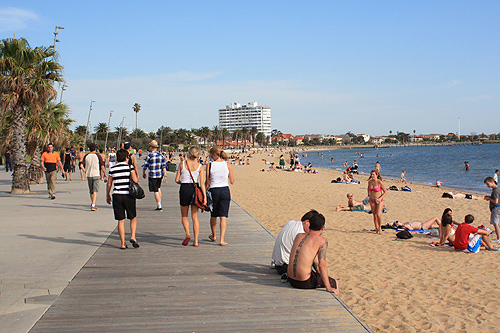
{"x":251,"y":273}
{"x":66,"y":240}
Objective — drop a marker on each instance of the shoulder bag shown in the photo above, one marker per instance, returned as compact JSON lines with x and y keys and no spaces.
{"x":198,"y":193}
{"x":135,"y":190}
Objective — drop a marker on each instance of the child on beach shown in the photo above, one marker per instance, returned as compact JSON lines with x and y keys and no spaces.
{"x":403,"y":179}
{"x":469,"y":239}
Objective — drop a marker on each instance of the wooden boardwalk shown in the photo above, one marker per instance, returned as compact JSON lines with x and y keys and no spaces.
{"x":166,"y":287}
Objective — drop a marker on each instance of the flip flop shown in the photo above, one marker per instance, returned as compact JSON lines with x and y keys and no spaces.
{"x":186,"y":241}
{"x":134,"y":243}
{"x":212,"y":238}
{"x":123,"y":248}
{"x":196,"y":245}
{"x":223,"y":244}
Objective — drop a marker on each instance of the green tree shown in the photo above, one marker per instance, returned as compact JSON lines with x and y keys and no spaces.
{"x":244,"y":134}
{"x":253,"y":133}
{"x":80,"y":130}
{"x":216,"y":134}
{"x":225,"y":135}
{"x":26,"y":80}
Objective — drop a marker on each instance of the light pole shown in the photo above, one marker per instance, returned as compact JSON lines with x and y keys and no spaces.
{"x":88,"y":123}
{"x":119,"y":139}
{"x":64,"y":86}
{"x":107,"y":131}
{"x":55,"y":36}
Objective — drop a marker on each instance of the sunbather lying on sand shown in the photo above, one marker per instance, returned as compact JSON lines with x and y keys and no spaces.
{"x":432,"y":223}
{"x":353,"y":205}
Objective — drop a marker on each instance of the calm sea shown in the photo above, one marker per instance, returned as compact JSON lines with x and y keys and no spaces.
{"x":423,"y":164}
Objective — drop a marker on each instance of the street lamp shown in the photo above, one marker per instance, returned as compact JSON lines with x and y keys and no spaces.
{"x":63,"y":88}
{"x":88,"y":123}
{"x":55,"y":36}
{"x":107,"y":131}
{"x":119,"y":139}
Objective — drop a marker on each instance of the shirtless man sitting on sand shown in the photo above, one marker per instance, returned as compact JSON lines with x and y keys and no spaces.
{"x":353,"y":205}
{"x":308,"y":248}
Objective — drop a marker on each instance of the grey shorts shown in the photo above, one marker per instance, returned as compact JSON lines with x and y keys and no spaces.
{"x":357,"y":208}
{"x":93,"y":184}
{"x":495,"y":216}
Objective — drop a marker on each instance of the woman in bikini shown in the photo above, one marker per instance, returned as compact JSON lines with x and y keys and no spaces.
{"x":376,"y":192}
{"x":446,"y":231}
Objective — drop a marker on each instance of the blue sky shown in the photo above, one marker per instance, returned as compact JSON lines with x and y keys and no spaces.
{"x":322,"y":66}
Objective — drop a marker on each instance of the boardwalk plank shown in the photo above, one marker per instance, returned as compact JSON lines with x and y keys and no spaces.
{"x":164,"y":286}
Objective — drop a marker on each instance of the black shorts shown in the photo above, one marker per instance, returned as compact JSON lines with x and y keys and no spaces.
{"x":221,"y":197}
{"x":313,"y":282}
{"x":154,"y":184}
{"x":186,"y":194}
{"x":124,"y":203}
{"x":67,"y":168}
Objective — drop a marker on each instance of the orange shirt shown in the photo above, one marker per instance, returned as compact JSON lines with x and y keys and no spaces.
{"x":50,"y":158}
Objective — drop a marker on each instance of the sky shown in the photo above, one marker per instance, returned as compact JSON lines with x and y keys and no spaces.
{"x":324,"y":67}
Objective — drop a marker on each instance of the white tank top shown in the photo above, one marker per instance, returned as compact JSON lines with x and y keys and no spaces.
{"x":185,"y":177}
{"x":218,"y":174}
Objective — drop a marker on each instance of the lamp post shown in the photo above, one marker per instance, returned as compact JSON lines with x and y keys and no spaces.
{"x":88,"y":123}
{"x":63,"y":88}
{"x":107,"y":131}
{"x":55,"y":36}
{"x":119,"y":139}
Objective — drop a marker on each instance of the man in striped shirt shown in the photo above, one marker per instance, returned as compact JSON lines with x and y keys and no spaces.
{"x":120,"y":176}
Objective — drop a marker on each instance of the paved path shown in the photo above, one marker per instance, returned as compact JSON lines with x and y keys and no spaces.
{"x":162,"y":286}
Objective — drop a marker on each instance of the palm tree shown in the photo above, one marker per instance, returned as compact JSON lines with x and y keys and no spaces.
{"x":235,"y":136}
{"x":225,"y":135}
{"x":253,"y":133}
{"x":216,"y":134}
{"x":244,"y":135}
{"x":26,"y":80}
{"x":260,"y":138}
{"x":205,"y":133}
{"x":136,"y":108}
{"x":80,"y":130}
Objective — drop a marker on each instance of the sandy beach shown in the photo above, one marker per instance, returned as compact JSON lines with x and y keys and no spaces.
{"x":394,"y":286}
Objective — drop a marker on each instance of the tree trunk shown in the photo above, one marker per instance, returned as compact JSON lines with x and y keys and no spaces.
{"x":35,"y":172}
{"x":20,"y":180}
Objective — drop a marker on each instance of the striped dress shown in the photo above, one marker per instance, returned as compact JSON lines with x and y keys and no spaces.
{"x":121,"y":177}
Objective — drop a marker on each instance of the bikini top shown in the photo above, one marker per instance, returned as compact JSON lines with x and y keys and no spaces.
{"x":374,"y":189}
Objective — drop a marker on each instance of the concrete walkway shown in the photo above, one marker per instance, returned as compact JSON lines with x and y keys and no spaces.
{"x":162,"y":286}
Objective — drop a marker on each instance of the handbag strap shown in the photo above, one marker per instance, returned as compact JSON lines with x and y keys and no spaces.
{"x":187,"y":167}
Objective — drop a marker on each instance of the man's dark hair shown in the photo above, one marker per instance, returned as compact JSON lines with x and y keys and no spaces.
{"x":92,"y":146}
{"x":67,"y":149}
{"x":469,"y":219}
{"x":489,"y":179}
{"x":81,"y":148}
{"x":316,"y":222}
{"x":308,"y":215}
{"x":100,"y":150}
{"x":121,"y":155}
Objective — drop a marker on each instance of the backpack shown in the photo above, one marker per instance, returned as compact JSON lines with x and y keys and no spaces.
{"x":406,"y":188}
{"x":405,"y":234}
{"x":393,"y":188}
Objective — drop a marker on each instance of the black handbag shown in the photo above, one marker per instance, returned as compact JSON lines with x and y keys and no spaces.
{"x":135,"y":190}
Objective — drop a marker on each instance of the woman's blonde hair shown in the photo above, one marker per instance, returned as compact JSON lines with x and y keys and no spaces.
{"x":193,"y":153}
{"x":218,"y":152}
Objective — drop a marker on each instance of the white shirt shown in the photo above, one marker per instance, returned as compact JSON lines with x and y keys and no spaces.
{"x":284,"y":242}
{"x":219,"y":172}
{"x":495,"y":178}
{"x":92,"y":165}
{"x":185,"y":177}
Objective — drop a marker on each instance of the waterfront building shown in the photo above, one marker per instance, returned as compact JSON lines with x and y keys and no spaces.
{"x":236,"y":116}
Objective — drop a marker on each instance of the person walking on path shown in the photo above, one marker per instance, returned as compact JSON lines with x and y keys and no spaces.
{"x":67,"y":163}
{"x":494,"y":206}
{"x":157,"y":165}
{"x":123,"y":204}
{"x":132,"y":160}
{"x":103,"y":159}
{"x":8,"y":161}
{"x":376,"y":192}
{"x":218,"y":173}
{"x":112,"y":158}
{"x":190,"y":173}
{"x":50,"y":159}
{"x":94,"y":165}
{"x":81,"y":156}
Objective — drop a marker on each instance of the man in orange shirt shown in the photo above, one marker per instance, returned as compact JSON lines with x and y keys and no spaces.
{"x":50,"y":160}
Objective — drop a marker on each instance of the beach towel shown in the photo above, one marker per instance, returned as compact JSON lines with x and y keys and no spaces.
{"x":406,"y":188}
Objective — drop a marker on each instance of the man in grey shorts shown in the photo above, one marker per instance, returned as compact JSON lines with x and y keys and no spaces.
{"x":353,"y":205}
{"x":494,"y":206}
{"x":93,"y":164}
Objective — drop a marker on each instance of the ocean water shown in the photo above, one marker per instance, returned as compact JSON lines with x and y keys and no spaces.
{"x":423,"y":164}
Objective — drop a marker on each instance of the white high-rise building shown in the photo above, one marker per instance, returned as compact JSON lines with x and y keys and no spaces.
{"x":236,"y":116}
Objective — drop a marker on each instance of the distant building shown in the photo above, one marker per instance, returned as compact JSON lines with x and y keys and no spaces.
{"x":236,"y":116}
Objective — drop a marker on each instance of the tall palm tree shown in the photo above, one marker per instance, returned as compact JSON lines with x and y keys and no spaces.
{"x":235,"y":136}
{"x":205,"y":134}
{"x":26,"y":80}
{"x":216,"y":134}
{"x":80,"y":130}
{"x":253,"y":133}
{"x":225,"y":135}
{"x":244,"y":135}
{"x":136,"y":108}
{"x":260,"y":138}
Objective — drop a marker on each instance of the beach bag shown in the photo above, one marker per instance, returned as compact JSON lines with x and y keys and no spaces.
{"x":447,"y":195}
{"x":406,"y":188}
{"x":405,"y":234}
{"x":135,"y":190}
{"x":210,"y":202}
{"x":393,"y":188}
{"x":198,"y":193}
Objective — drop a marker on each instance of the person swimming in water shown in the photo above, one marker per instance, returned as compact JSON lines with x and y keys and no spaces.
{"x":467,"y":166}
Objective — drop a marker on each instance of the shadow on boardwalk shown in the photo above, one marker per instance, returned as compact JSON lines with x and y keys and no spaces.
{"x":164,"y":286}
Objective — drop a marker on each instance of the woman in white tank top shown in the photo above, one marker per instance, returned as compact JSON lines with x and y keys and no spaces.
{"x":187,"y":190}
{"x":218,"y":174}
